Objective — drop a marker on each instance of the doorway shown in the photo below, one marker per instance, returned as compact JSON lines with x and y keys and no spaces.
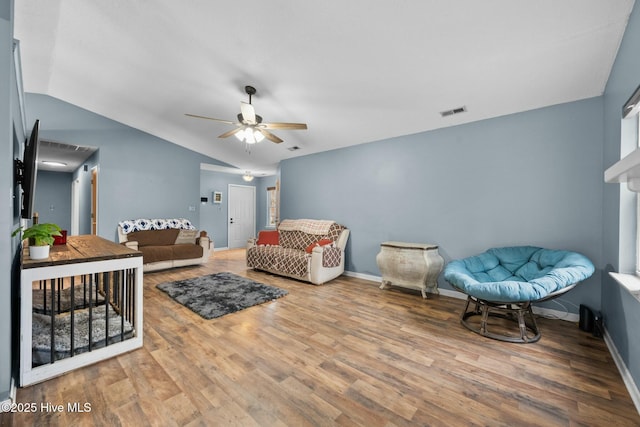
{"x":94,"y":200}
{"x":75,"y":207}
{"x":242,"y":215}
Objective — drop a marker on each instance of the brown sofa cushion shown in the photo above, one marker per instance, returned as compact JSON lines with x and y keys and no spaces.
{"x":156,"y":253}
{"x":170,"y":252}
{"x":154,"y":237}
{"x":186,"y":251}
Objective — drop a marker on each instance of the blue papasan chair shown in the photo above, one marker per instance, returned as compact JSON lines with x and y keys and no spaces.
{"x":504,"y":282}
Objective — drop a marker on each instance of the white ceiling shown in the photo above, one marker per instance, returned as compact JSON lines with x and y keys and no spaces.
{"x":354,"y":70}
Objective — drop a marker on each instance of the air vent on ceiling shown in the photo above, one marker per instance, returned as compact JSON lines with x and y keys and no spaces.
{"x":294,"y":148}
{"x":453,"y":111}
{"x":63,"y":147}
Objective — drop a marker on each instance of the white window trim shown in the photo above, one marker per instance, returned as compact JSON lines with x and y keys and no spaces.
{"x":627,"y":170}
{"x":637,"y":136}
{"x":630,"y":282}
{"x":268,"y":219}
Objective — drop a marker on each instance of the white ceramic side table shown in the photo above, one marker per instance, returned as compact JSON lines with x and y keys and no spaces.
{"x":410,"y":265}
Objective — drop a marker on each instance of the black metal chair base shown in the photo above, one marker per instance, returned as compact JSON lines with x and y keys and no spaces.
{"x":515,"y":312}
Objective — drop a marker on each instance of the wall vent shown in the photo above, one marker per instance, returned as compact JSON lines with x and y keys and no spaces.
{"x":453,"y":111}
{"x":59,"y":146}
{"x":294,"y":148}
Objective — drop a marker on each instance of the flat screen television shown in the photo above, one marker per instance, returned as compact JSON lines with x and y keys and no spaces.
{"x":28,"y":171}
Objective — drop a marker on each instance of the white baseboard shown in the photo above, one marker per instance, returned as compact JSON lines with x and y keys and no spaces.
{"x":363,"y":276}
{"x":632,"y":387}
{"x":12,"y":396}
{"x":224,"y":248}
{"x":556,"y":314}
{"x":545,"y":312}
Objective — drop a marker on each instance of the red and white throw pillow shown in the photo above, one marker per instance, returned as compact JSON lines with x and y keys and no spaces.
{"x":321,"y":242}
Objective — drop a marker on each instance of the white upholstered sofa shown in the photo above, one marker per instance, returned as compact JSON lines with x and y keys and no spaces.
{"x":305,"y":249}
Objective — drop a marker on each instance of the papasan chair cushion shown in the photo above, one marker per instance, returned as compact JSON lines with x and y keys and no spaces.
{"x":518,"y":274}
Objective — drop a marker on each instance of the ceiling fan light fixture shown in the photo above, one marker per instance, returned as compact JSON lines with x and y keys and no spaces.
{"x":249,"y":138}
{"x":250,"y":135}
{"x":250,"y":127}
{"x":247,"y":176}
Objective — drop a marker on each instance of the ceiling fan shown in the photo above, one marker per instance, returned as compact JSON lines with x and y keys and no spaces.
{"x":249,"y":127}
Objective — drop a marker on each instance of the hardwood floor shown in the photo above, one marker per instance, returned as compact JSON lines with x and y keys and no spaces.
{"x":346,"y":353}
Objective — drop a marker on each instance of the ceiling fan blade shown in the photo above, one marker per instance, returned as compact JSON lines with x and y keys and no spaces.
{"x":209,"y":118}
{"x":248,"y":113}
{"x":231,"y":132}
{"x":271,"y":137}
{"x":283,"y":125}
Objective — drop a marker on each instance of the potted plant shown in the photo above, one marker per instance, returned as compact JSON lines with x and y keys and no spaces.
{"x":42,"y":235}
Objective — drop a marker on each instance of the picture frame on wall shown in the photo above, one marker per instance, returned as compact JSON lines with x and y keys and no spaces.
{"x":217,"y":197}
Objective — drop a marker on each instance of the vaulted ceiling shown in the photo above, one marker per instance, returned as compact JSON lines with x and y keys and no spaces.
{"x":354,"y":70}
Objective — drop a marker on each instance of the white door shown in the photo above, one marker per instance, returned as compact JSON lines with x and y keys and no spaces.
{"x":242,"y":215}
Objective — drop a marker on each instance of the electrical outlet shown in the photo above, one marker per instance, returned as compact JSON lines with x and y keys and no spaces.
{"x":192,"y":208}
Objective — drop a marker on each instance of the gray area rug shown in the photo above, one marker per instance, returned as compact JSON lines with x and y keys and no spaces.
{"x":218,"y":294}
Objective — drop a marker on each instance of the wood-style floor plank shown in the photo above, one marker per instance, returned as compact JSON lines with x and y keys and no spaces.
{"x":345,"y":353}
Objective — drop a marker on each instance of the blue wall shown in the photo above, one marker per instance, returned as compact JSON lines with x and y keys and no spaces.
{"x":532,"y":178}
{"x":12,"y":137}
{"x":140,"y":175}
{"x":620,"y":310}
{"x":53,"y":198}
{"x":214,"y":217}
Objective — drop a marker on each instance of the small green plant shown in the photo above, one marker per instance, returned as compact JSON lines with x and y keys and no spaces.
{"x":42,"y":234}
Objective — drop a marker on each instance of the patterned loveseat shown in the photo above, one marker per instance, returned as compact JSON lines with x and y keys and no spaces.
{"x":305,"y":249}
